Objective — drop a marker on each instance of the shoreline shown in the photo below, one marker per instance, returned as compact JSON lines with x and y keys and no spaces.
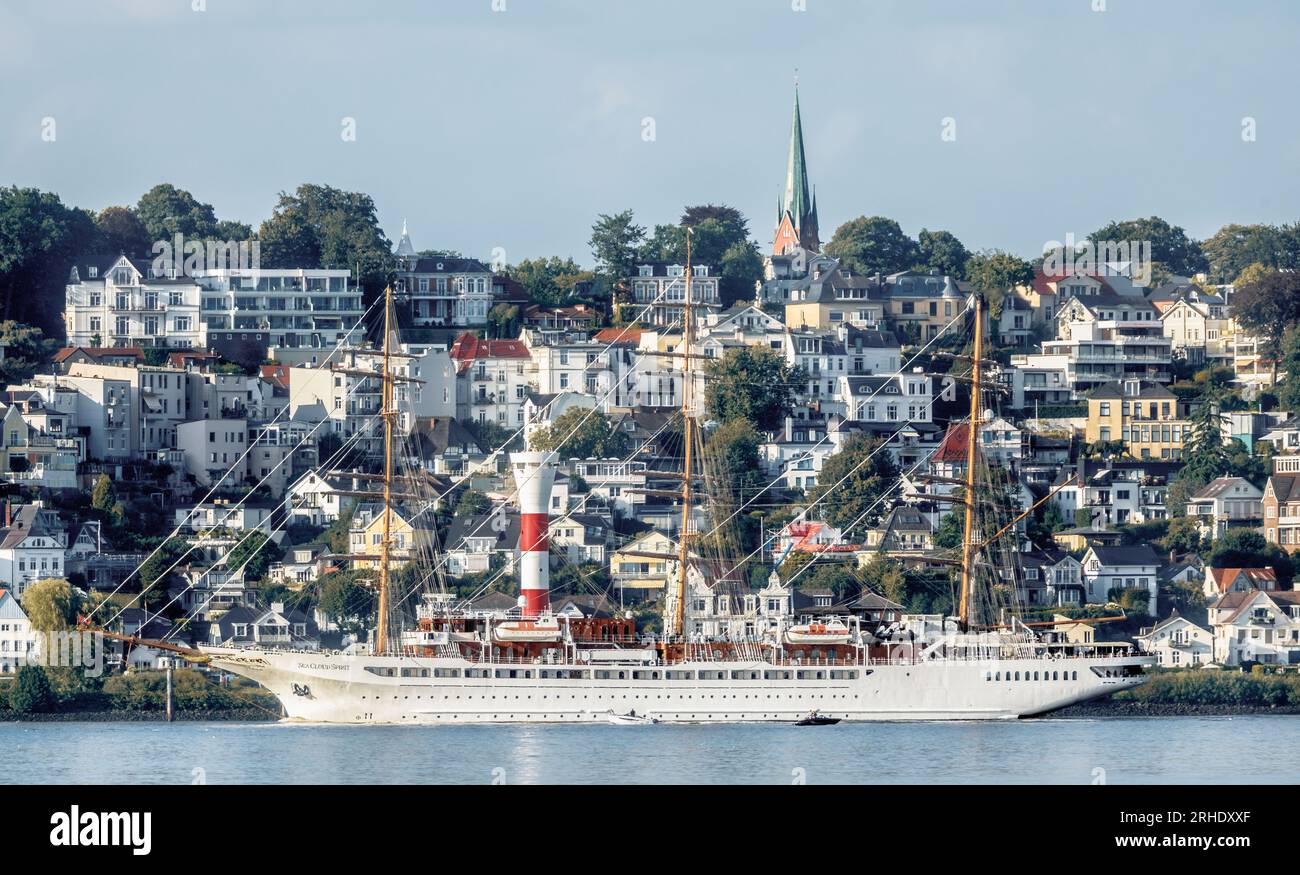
{"x":237,"y":715}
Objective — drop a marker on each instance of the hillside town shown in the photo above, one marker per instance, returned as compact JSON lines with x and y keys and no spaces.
{"x":197,"y":448}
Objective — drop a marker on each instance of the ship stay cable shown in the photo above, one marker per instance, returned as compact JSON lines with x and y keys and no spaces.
{"x":233,"y":508}
{"x":215,"y":486}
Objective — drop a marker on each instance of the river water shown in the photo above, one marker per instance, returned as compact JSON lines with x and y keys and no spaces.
{"x":1195,"y":750}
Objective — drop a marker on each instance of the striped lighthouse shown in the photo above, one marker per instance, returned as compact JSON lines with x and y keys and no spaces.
{"x":534,"y":476}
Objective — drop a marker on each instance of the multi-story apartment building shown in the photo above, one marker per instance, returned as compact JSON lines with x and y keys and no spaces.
{"x":659,"y":294}
{"x":1195,"y":323}
{"x":121,"y":302}
{"x":349,"y":393}
{"x":1037,"y":380}
{"x":124,"y":302}
{"x":929,"y":301}
{"x":213,"y":447}
{"x":828,"y":295}
{"x":895,"y":398}
{"x":1107,"y":337}
{"x":492,"y":380}
{"x":445,"y":291}
{"x":1147,"y":417}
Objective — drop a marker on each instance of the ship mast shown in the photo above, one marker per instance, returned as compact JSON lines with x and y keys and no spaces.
{"x":678,"y":619}
{"x":387,"y":412}
{"x":968,"y":538}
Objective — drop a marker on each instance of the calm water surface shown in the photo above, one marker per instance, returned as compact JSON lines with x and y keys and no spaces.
{"x":1152,"y":750}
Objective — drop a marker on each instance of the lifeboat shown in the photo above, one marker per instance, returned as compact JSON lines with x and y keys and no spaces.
{"x":833,"y":632}
{"x":544,"y":629}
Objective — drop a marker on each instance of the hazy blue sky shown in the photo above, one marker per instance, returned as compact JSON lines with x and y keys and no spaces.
{"x":516,"y":128}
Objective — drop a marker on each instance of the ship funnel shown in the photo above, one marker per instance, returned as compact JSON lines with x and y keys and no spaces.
{"x":534,"y":476}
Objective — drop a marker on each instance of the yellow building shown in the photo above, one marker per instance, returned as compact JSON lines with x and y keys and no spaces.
{"x":1147,"y":417}
{"x":366,"y":537}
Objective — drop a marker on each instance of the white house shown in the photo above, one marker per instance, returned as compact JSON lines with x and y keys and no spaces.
{"x":1177,"y":642}
{"x":1257,"y":626}
{"x":17,"y":641}
{"x":32,"y":547}
{"x":1226,"y":502}
{"x":317,"y":498}
{"x":1131,"y":567}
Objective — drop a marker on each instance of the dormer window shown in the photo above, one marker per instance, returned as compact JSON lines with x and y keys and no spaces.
{"x":92,"y":272}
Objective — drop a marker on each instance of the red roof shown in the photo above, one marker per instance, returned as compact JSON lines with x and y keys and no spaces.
{"x":1257,"y":578}
{"x":178,"y":359}
{"x":618,"y":335}
{"x":1042,"y":279}
{"x":469,"y":347}
{"x":100,"y":352}
{"x":277,"y":374}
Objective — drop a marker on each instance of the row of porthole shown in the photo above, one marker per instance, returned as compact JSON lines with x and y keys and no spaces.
{"x":997,"y":676}
{"x":635,"y":696}
{"x":666,"y":716}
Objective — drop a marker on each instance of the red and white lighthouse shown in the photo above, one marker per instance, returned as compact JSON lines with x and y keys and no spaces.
{"x":534,"y":477}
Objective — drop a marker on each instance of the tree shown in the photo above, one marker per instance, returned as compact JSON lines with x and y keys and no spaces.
{"x":31,"y":693}
{"x":1246,"y":548}
{"x":580,"y":433}
{"x":1170,"y":245}
{"x":345,"y":601}
{"x":337,"y":535}
{"x":548,"y":281}
{"x":123,"y":232}
{"x":859,"y":476}
{"x":752,"y":383}
{"x":1184,"y":535}
{"x":942,"y":251}
{"x":503,"y":321}
{"x":255,"y":553}
{"x":320,"y":226}
{"x":472,"y":503}
{"x":26,"y":350}
{"x":1204,"y":456}
{"x":950,"y":531}
{"x":51,"y":605}
{"x":720,"y":240}
{"x":996,"y":273}
{"x":1234,"y":248}
{"x":166,"y":210}
{"x":39,"y":239}
{"x":1267,"y":308}
{"x":886,"y":577}
{"x":873,"y":245}
{"x":614,"y":243}
{"x":103,"y":497}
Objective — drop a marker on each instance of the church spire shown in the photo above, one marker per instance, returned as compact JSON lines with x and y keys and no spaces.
{"x":798,"y":206}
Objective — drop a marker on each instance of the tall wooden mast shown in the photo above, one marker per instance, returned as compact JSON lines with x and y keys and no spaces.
{"x":972,"y":440}
{"x":387,"y":412}
{"x":688,"y":439}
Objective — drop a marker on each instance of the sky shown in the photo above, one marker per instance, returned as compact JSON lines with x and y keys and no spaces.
{"x":512,"y":124}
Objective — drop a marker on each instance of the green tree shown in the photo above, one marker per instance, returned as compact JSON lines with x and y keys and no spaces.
{"x":30,"y":692}
{"x":873,"y":245}
{"x":1246,"y":548}
{"x":51,"y":605}
{"x":942,"y":251}
{"x":996,"y":273}
{"x":1170,"y":245}
{"x":166,"y":210}
{"x":123,"y":232}
{"x":472,"y":503}
{"x":1234,"y":248}
{"x":503,"y":321}
{"x":321,"y":226}
{"x":548,"y":281}
{"x":39,"y":239}
{"x":859,"y":475}
{"x":103,"y":497}
{"x":255,"y":553}
{"x":1268,"y":307}
{"x":346,"y":601}
{"x":580,"y":433}
{"x":949,"y":533}
{"x":336,"y":536}
{"x":752,"y":383}
{"x":614,"y":243}
{"x":886,"y":577}
{"x":26,"y":350}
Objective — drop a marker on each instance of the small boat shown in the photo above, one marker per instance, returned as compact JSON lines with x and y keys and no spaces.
{"x":631,"y":718}
{"x":815,"y":718}
{"x":539,"y":630}
{"x":833,"y":632}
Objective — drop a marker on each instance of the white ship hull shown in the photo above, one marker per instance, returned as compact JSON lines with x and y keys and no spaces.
{"x":340,"y":688}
